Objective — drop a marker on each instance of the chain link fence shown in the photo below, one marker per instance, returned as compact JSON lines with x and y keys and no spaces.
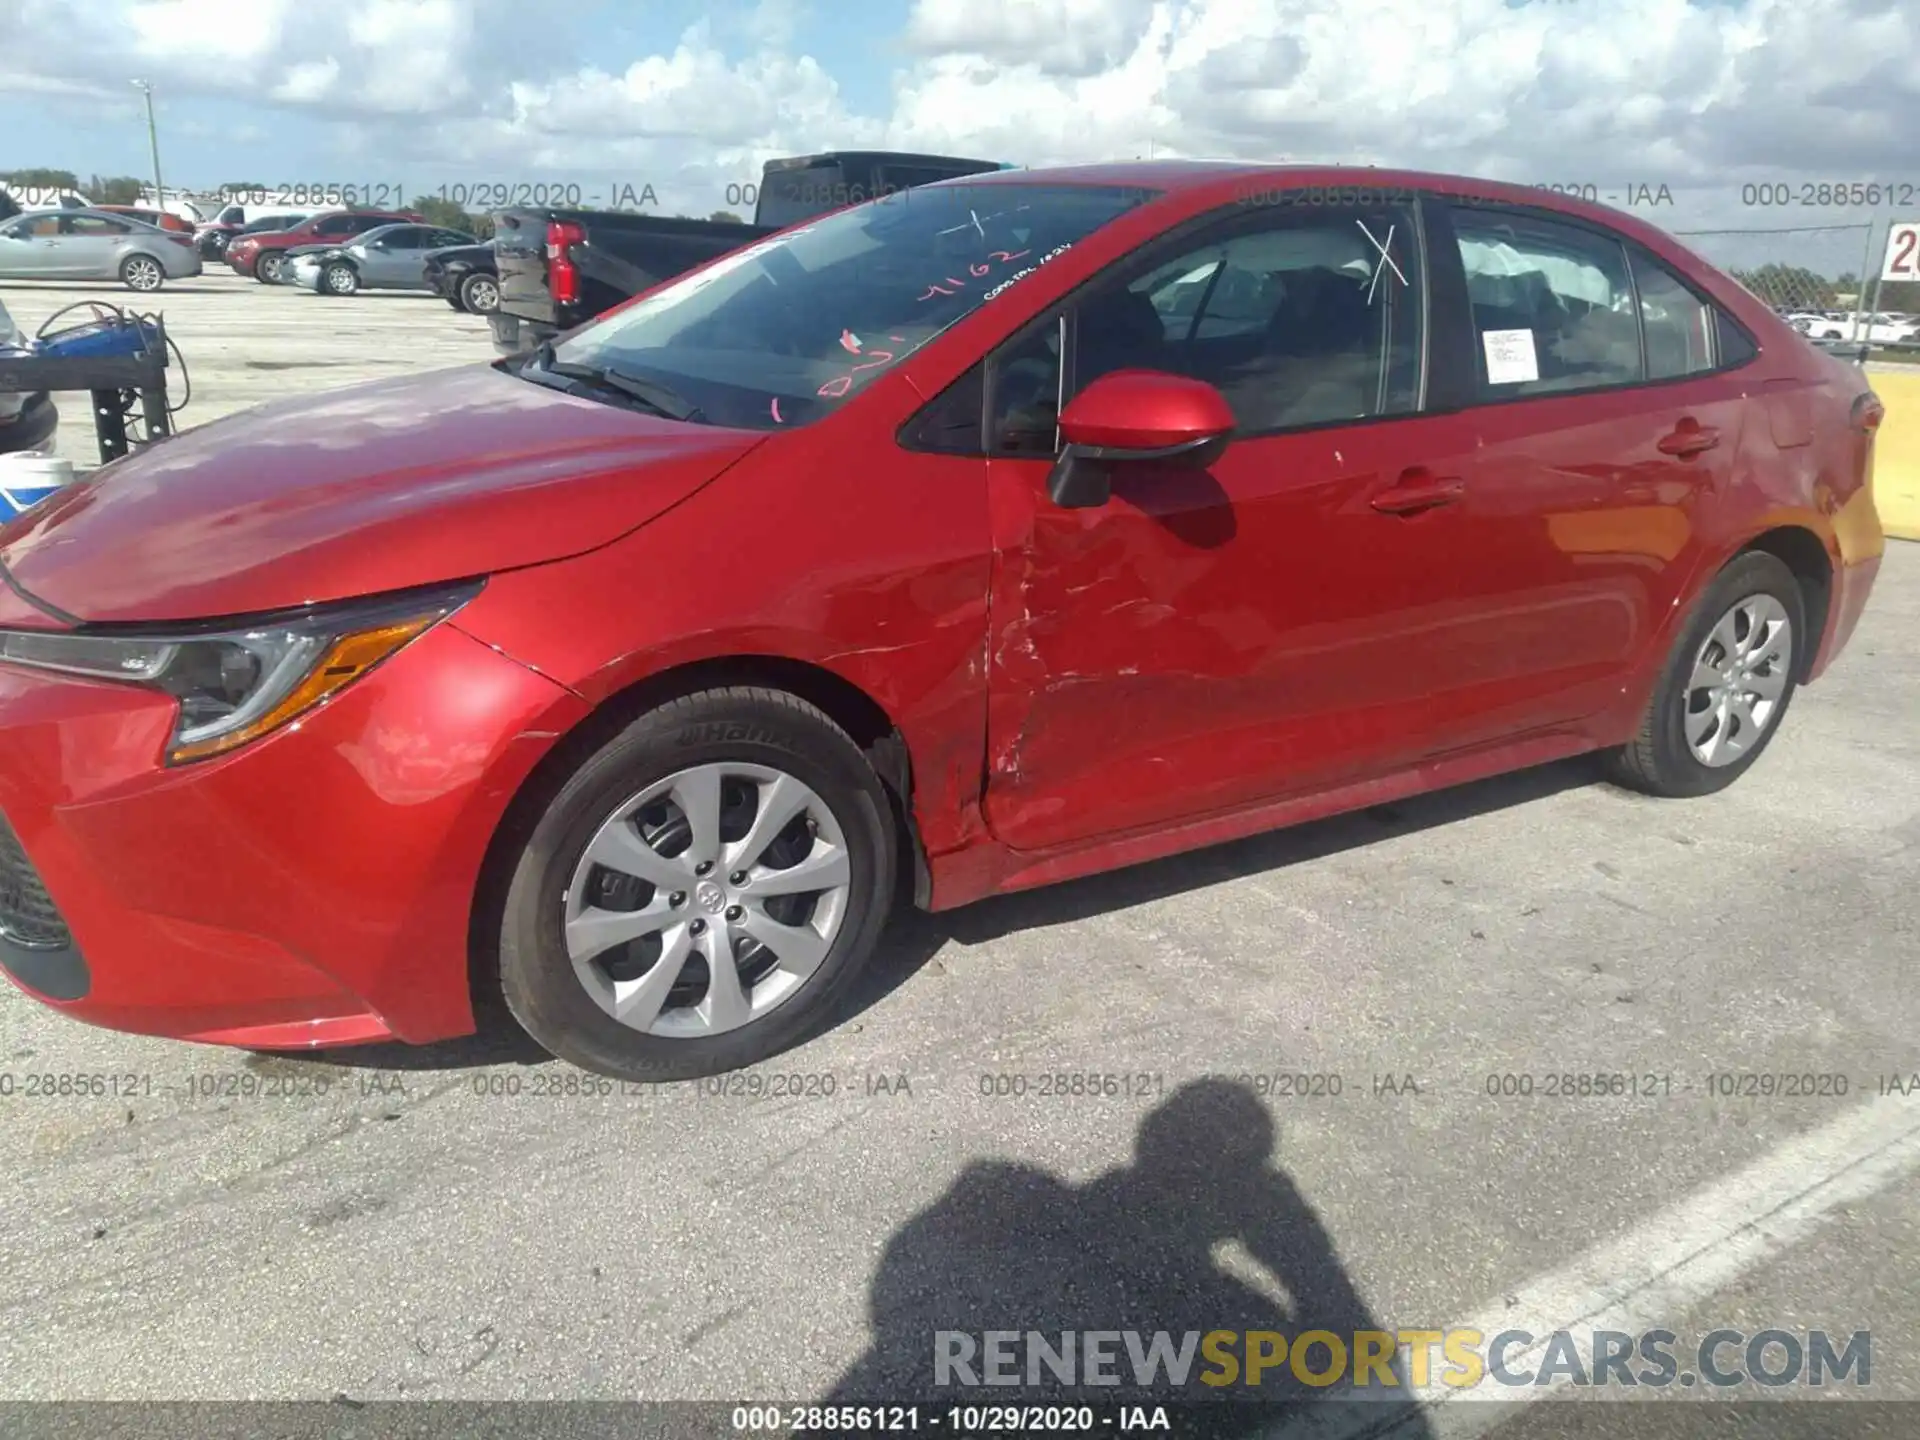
{"x":1822,"y":278}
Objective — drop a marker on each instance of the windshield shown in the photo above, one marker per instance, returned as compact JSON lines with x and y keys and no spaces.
{"x":781,"y":332}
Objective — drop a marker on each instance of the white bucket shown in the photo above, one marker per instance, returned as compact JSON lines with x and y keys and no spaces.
{"x":28,"y":477}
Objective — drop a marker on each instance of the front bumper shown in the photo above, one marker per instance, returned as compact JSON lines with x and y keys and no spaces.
{"x":313,"y":888}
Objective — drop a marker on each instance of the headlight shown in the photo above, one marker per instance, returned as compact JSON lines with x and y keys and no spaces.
{"x":242,"y":681}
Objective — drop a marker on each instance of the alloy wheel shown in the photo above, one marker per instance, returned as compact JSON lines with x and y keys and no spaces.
{"x":1739,"y":680}
{"x":143,"y":274}
{"x":341,"y":280}
{"x":707,"y":900}
{"x":484,"y":296}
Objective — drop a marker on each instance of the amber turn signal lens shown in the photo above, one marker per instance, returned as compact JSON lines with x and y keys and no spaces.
{"x":345,"y":661}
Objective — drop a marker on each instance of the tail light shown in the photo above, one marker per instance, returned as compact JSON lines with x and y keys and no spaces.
{"x":179,"y":239}
{"x":1868,"y":412}
{"x":563,"y":277}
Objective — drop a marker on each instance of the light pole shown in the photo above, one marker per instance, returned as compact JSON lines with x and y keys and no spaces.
{"x":153,"y":139}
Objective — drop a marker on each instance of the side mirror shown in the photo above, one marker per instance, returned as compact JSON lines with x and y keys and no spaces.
{"x":1131,"y":416}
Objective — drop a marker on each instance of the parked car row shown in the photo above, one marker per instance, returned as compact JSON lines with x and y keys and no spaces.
{"x":345,"y":251}
{"x":1884,"y":327}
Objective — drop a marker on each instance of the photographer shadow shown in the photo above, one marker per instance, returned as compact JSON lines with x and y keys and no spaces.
{"x":1012,"y":1247}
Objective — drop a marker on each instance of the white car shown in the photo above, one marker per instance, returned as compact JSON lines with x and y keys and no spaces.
{"x":1880,"y":328}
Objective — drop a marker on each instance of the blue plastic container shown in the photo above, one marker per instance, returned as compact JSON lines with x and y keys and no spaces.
{"x":103,"y":337}
{"x":27,"y":479}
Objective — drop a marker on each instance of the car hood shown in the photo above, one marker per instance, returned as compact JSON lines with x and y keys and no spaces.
{"x":375,"y":487}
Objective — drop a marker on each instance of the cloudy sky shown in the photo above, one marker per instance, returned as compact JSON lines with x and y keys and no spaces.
{"x":690,"y":96}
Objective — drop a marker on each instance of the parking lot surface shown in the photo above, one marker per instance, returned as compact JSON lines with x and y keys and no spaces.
{"x":1317,"y":1088}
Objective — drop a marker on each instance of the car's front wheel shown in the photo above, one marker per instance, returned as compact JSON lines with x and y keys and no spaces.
{"x":701,"y":891}
{"x":267,"y":268}
{"x":1726,"y":685}
{"x":339,"y":278}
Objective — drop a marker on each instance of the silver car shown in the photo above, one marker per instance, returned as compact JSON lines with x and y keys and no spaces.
{"x":391,"y":257}
{"x":93,"y":245}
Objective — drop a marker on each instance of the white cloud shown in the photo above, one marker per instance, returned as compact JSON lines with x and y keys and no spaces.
{"x":1069,"y":37}
{"x":1572,"y":91}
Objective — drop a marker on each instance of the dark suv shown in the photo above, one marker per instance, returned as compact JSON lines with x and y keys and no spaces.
{"x":261,"y":255}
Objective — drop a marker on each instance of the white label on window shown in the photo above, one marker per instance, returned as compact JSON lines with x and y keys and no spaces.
{"x":1510,"y":357}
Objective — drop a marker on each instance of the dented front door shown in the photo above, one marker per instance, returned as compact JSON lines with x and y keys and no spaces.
{"x":1207,"y":640}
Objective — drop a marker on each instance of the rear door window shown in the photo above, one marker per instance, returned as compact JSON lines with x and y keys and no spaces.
{"x":1553,"y":304}
{"x":1680,"y":327}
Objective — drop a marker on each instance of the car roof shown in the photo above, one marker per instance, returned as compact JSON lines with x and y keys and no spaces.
{"x":1224,"y":181}
{"x":97,"y":211}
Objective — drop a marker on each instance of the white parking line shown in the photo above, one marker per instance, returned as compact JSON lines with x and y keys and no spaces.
{"x":1659,"y":1270}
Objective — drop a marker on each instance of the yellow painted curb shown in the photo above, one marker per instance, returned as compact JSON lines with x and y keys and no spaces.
{"x":1896,"y":453}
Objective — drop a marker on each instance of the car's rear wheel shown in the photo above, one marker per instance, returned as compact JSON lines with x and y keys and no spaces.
{"x":142,"y":273}
{"x":339,"y":278}
{"x":1726,"y":686}
{"x":700,"y":892}
{"x":267,"y":268}
{"x":480,"y":294}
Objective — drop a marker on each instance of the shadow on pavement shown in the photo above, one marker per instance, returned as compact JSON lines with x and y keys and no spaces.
{"x":1012,"y":1247}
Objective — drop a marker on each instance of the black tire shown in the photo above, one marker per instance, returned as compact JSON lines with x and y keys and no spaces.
{"x":339,"y":278}
{"x":1658,"y":761}
{"x":142,"y":274}
{"x":737,"y":724}
{"x":475,"y":289}
{"x":267,"y":268}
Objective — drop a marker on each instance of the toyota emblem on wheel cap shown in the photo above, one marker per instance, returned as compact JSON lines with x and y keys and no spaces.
{"x":710,"y":897}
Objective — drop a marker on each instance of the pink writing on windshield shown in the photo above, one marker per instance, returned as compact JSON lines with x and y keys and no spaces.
{"x":875,"y":359}
{"x":975,"y":270}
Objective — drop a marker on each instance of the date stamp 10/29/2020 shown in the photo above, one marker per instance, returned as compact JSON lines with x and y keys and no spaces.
{"x":468,"y":195}
{"x":1075,"y":1087}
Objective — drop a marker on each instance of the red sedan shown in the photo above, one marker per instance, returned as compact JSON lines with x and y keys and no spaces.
{"x":980,"y":537}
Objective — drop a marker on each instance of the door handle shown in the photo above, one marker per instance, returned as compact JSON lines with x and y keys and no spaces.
{"x":1688,"y":438}
{"x":1418,"y":490}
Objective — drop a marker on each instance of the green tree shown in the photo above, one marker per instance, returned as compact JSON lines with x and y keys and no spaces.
{"x":726,"y":217}
{"x":114,"y":190}
{"x":42,"y":178}
{"x":439,"y":210}
{"x":1789,"y":285}
{"x":1903,"y":295}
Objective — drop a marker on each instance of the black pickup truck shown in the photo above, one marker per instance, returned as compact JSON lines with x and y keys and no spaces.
{"x":560,"y":268}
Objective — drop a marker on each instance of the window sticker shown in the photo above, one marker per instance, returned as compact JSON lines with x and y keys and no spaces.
{"x":1510,"y":356}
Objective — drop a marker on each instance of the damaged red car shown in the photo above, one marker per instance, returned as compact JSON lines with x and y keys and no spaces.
{"x":979,"y":537}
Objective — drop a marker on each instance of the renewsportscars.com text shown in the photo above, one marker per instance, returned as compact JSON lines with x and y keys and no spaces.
{"x":1461,"y":1359}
